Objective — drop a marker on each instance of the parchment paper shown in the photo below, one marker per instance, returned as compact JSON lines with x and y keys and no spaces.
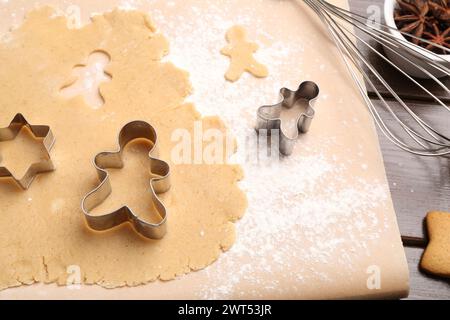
{"x":320,"y":224}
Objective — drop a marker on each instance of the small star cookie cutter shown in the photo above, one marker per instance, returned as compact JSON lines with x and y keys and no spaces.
{"x":38,"y":131}
{"x":102,"y":161}
{"x":269,"y":117}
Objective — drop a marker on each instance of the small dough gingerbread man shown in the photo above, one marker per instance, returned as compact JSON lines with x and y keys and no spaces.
{"x":241,"y":53}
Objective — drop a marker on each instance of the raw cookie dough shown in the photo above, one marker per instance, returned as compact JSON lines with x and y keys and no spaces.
{"x":43,"y":236}
{"x":241,"y":53}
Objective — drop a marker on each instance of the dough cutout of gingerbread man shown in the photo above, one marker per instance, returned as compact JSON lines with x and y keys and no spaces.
{"x":241,"y":53}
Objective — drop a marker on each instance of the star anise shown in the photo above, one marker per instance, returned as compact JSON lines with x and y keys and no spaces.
{"x":413,"y":17}
{"x":441,"y":10}
{"x":427,"y":19}
{"x":438,"y":37}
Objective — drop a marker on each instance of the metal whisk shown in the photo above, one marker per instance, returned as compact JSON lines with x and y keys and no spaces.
{"x":413,"y":134}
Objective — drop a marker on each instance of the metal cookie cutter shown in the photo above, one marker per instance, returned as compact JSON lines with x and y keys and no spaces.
{"x":270,"y":117}
{"x":41,"y":132}
{"x":102,"y":161}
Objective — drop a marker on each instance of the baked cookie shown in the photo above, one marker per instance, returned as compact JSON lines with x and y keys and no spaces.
{"x":436,"y":258}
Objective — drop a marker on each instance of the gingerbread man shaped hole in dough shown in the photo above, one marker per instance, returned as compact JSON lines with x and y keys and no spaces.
{"x":87,"y":79}
{"x":241,"y":53}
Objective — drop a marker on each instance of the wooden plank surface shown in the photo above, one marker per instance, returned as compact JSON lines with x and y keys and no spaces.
{"x":417,"y":184}
{"x":424,"y":287}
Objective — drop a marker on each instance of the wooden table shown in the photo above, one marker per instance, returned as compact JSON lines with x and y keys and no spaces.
{"x":417,"y":184}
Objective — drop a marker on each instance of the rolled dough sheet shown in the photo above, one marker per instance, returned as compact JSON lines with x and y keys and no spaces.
{"x":50,"y":239}
{"x":319,"y":224}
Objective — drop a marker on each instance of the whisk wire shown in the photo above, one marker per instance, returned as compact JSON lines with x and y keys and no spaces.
{"x":379,"y":28}
{"x":349,"y":46}
{"x":429,"y":143}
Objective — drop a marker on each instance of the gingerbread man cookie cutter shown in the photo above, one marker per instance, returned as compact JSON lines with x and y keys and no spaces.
{"x":102,"y":161}
{"x":39,"y":131}
{"x":270,"y":117}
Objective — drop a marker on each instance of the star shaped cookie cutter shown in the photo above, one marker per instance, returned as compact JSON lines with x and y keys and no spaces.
{"x":270,"y":117}
{"x":160,"y":184}
{"x":38,"y":131}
